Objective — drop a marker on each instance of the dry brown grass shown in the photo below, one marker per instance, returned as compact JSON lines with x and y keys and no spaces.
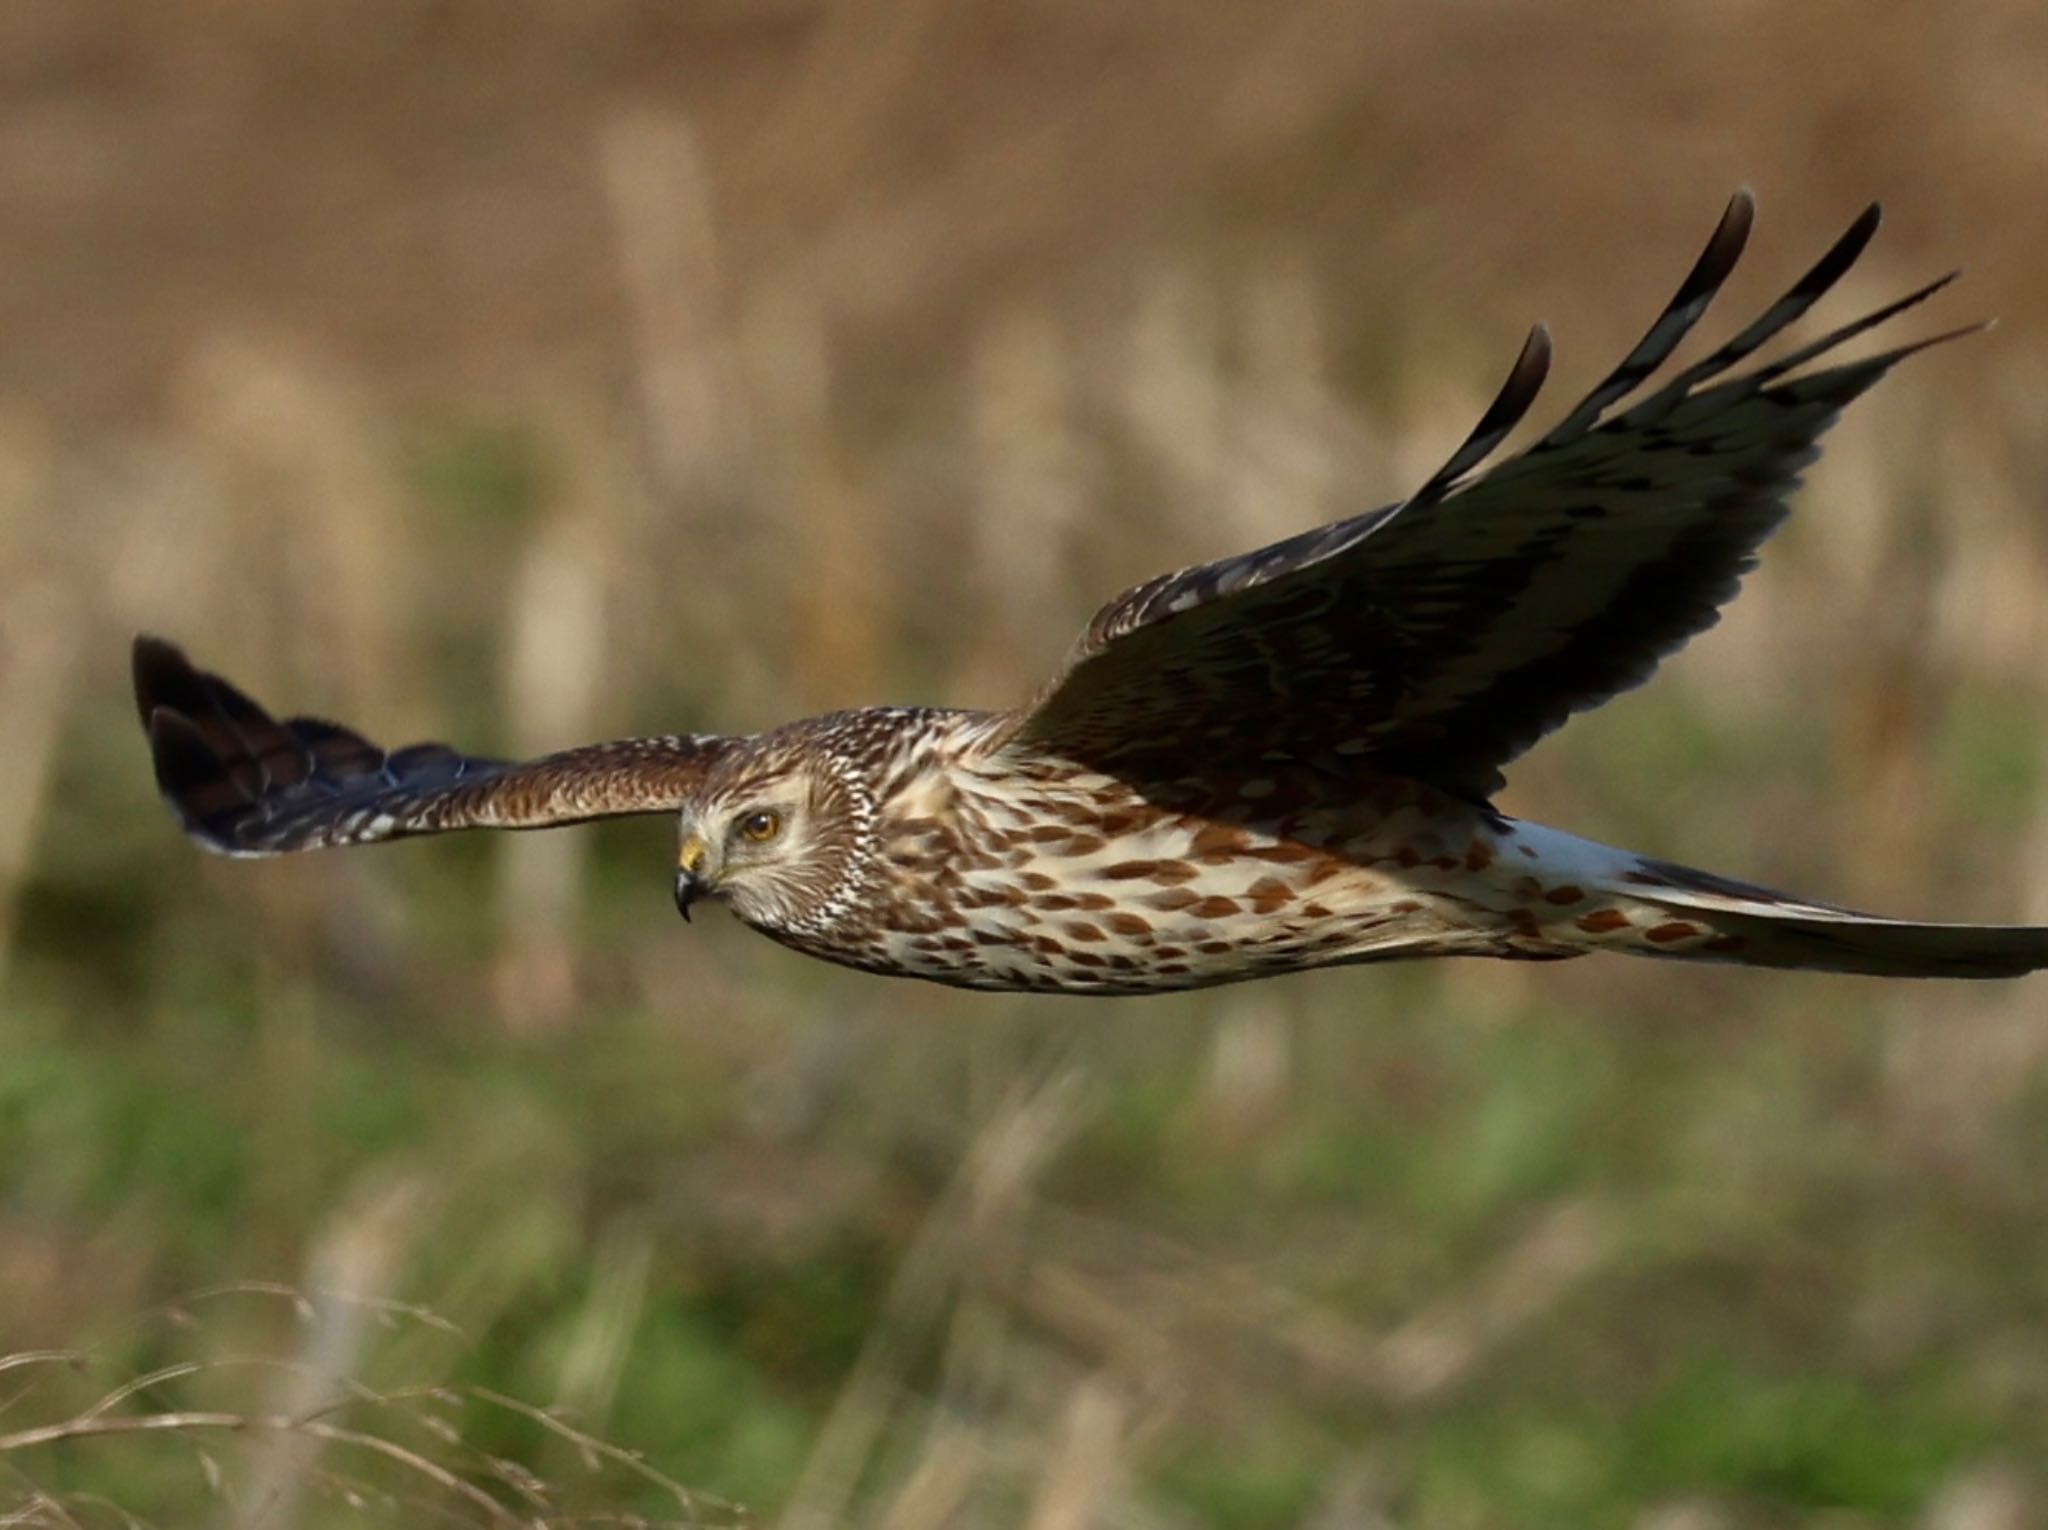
{"x":321,"y":1447}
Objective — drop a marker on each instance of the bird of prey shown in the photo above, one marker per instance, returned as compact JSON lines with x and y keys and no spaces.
{"x":1277,"y":761}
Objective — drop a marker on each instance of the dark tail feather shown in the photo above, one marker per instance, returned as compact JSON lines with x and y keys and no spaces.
{"x":1756,"y":928}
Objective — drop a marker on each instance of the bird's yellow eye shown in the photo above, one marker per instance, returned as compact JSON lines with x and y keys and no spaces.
{"x":761,"y":825}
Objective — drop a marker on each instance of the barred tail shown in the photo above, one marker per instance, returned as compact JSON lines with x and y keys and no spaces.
{"x":1703,"y":917}
{"x":1577,"y":895}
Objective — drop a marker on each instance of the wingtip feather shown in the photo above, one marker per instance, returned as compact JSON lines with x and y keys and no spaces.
{"x":202,"y":795}
{"x":161,"y":675}
{"x":1518,"y":391}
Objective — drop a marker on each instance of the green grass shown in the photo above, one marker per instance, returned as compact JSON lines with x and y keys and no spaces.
{"x":1766,"y":1218}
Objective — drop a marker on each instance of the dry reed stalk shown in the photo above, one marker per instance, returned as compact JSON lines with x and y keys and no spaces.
{"x":1277,"y":476}
{"x":658,"y":187}
{"x":601,"y":1340}
{"x":42,"y":619}
{"x":701,"y":449}
{"x":1172,"y":401}
{"x":838,"y":599}
{"x":1439,"y":1349}
{"x":312,"y":594}
{"x":827,"y":559}
{"x":1893,"y":689}
{"x":198,"y":1422}
{"x":1353,"y":1498}
{"x":40,"y":1512}
{"x":1281,"y":474}
{"x":993,"y":1185}
{"x":1084,"y":1465}
{"x":785,"y":358}
{"x":1687,"y":1514}
{"x":1169,"y":1323}
{"x":40,"y":631}
{"x":1031,"y":480}
{"x":413,"y":1434}
{"x":1988,"y":618}
{"x":936,"y":1492}
{"x":1990,"y":1496}
{"x":363,"y":1251}
{"x":327,"y":557}
{"x":289,"y":1154}
{"x":1128,"y":1337}
{"x":553,"y":678}
{"x":1958,"y":1065}
{"x":1251,"y":1070}
{"x":852,"y":70}
{"x":164,"y":548}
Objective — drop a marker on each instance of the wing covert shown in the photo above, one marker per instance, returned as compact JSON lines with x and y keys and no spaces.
{"x":243,"y":783}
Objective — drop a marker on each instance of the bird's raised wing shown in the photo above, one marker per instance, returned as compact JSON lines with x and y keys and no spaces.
{"x":1442,"y":636}
{"x":244,"y":783}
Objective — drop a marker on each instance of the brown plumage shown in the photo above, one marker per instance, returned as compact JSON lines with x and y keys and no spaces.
{"x":1268,"y":763}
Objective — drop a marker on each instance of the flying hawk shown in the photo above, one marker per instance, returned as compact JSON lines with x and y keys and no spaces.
{"x":1276,"y":761}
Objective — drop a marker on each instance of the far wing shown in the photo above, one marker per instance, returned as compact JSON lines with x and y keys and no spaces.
{"x":1442,"y":636}
{"x":244,"y":783}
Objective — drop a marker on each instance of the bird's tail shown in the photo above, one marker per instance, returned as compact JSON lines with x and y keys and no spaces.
{"x":1702,"y":917}
{"x":1611,"y":900}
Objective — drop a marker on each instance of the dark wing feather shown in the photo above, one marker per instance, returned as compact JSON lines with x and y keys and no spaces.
{"x":244,"y":783}
{"x":1442,"y":636}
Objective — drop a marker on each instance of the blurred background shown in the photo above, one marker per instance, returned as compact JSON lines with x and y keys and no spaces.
{"x":521,"y":374}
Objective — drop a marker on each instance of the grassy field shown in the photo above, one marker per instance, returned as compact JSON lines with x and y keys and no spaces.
{"x":520,"y":376}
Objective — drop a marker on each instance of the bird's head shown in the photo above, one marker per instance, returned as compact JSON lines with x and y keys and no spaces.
{"x":779,"y":833}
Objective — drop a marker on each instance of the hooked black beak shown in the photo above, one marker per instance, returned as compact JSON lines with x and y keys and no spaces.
{"x":691,"y":882}
{"x":688,"y":890}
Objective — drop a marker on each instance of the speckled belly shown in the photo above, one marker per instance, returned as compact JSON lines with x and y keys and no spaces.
{"x":1098,"y":890}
